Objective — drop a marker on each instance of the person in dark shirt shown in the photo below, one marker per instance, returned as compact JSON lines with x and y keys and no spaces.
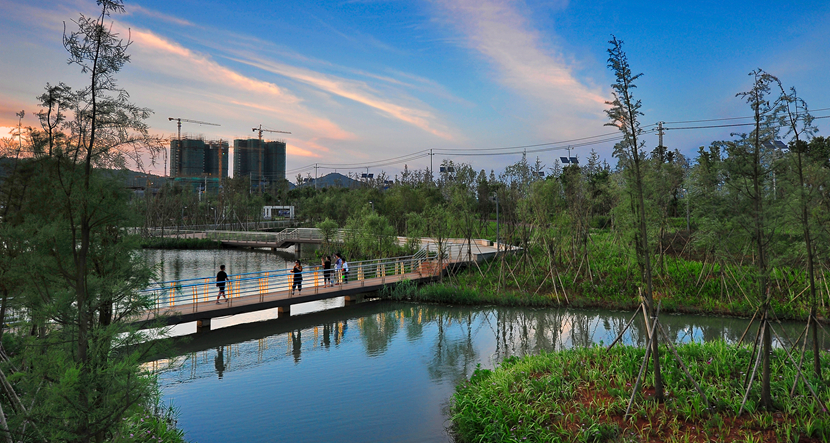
{"x":221,"y":278}
{"x":298,"y":277}
{"x":326,"y":271}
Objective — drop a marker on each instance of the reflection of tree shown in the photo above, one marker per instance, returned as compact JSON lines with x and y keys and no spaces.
{"x":453,"y":358}
{"x":414,"y":324}
{"x":377,"y":331}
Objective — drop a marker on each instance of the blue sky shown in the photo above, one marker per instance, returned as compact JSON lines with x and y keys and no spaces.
{"x":356,"y":82}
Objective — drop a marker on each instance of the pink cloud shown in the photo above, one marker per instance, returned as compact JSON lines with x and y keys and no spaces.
{"x":356,"y":91}
{"x":521,"y":58}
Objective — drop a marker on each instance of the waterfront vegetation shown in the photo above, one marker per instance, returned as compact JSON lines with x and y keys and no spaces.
{"x":742,"y":229}
{"x":179,"y":243}
{"x":581,"y":395}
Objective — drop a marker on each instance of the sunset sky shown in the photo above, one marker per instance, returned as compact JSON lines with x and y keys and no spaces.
{"x":359,"y":82}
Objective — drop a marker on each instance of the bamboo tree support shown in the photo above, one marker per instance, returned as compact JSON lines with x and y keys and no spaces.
{"x":5,"y":426}
{"x":754,"y":349}
{"x":642,"y":366}
{"x":754,"y":369}
{"x":804,"y":333}
{"x":748,"y":326}
{"x":799,"y":374}
{"x":628,"y":325}
{"x":683,"y":366}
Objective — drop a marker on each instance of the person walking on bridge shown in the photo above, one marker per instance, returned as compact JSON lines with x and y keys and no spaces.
{"x":297,"y":271}
{"x":221,"y":278}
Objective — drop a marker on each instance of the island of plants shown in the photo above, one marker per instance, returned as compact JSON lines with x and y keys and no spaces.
{"x":582,"y":395}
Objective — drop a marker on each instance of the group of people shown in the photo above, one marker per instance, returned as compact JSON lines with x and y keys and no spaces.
{"x":339,"y":274}
{"x":331,"y":276}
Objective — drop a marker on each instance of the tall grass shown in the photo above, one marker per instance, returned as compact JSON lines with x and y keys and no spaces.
{"x":581,"y":395}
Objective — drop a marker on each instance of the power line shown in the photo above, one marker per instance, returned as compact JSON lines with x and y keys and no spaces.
{"x":518,"y":149}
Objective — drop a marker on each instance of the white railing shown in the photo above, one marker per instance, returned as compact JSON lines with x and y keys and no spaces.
{"x":295,"y":234}
{"x":193,"y":291}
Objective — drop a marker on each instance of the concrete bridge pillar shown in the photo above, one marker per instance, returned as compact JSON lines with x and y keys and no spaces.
{"x":283,"y":311}
{"x":352,"y":299}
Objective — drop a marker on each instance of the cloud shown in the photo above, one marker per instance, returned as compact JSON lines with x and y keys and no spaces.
{"x":356,"y":91}
{"x":539,"y":72}
{"x":134,"y":8}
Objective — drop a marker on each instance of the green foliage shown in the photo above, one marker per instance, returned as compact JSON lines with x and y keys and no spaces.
{"x":581,"y":395}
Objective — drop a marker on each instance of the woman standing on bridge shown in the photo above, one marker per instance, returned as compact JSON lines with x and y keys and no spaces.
{"x":327,"y":272}
{"x":297,"y":271}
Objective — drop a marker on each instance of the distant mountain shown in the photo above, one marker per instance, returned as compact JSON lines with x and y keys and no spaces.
{"x":333,"y":179}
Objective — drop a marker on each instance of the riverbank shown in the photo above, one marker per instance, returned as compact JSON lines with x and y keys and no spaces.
{"x":581,"y":395}
{"x":179,"y":243}
{"x":684,"y":285}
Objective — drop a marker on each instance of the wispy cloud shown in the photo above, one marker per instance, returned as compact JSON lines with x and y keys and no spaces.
{"x":522,"y":59}
{"x":134,"y":8}
{"x":354,"y":90}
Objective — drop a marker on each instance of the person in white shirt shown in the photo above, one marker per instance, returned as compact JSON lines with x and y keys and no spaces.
{"x":345,"y":271}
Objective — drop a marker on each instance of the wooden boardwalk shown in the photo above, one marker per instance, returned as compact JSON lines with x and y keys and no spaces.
{"x":205,"y":310}
{"x":195,"y":299}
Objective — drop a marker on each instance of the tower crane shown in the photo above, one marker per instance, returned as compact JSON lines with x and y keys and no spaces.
{"x":260,"y":130}
{"x":179,"y":127}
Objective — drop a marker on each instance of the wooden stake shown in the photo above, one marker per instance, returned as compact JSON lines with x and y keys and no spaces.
{"x":800,"y":375}
{"x":619,"y":336}
{"x":747,"y":327}
{"x":751,"y":378}
{"x":640,"y":375}
{"x":683,"y":366}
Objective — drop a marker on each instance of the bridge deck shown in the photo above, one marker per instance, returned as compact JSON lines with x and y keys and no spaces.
{"x":183,"y":313}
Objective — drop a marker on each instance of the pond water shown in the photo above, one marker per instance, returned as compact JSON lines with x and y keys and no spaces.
{"x":372,"y":372}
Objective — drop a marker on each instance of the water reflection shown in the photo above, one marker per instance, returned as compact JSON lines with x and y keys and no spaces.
{"x":186,"y":264}
{"x":401,"y":361}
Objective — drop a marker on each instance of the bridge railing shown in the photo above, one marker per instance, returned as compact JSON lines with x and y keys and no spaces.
{"x":296,"y":234}
{"x":191,"y":292}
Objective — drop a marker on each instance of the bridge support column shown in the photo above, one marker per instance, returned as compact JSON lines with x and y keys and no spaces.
{"x":283,"y":311}
{"x":352,"y":299}
{"x":203,"y":325}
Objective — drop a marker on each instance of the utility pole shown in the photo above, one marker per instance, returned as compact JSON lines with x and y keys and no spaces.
{"x":430,"y":164}
{"x":20,"y":130}
{"x":315,"y":176}
{"x":660,"y":133}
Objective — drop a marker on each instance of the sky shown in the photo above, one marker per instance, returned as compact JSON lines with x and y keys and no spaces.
{"x":371,"y":86}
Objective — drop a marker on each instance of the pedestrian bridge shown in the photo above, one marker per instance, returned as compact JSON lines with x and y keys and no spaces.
{"x":192,"y":300}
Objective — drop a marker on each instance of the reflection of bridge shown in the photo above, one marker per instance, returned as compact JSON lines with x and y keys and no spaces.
{"x":193,"y":299}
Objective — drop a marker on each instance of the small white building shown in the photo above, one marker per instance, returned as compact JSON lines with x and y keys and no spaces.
{"x":272,"y":212}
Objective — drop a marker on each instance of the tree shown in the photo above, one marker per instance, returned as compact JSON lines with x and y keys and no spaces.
{"x":80,"y":366}
{"x":624,"y":115}
{"x":749,"y":166}
{"x":793,"y":114}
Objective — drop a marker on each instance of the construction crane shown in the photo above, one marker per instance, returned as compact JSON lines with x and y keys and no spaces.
{"x":179,"y":127}
{"x":260,"y":130}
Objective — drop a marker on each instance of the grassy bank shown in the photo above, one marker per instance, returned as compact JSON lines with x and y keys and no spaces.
{"x":582,"y":394}
{"x":608,"y":278}
{"x":179,"y":243}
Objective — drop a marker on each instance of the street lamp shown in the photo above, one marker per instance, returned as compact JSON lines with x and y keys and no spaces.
{"x":373,"y":206}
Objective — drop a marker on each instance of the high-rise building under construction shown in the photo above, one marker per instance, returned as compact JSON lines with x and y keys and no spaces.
{"x":198,"y":158}
{"x":262,"y":161}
